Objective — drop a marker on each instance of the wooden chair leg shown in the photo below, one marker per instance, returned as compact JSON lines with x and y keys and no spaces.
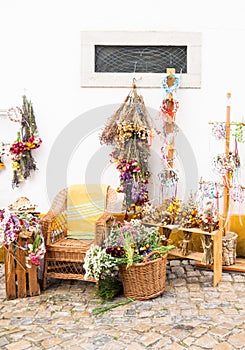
{"x":44,"y":278}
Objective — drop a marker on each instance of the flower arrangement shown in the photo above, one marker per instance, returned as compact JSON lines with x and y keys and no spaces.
{"x":17,"y":228}
{"x":186,"y":214}
{"x":164,"y":213}
{"x":208,"y":218}
{"x":210,"y":190}
{"x":172,"y":206}
{"x":151,"y":213}
{"x":237,"y":193}
{"x":226,"y":164}
{"x":22,"y":161}
{"x":219,"y":130}
{"x":238,"y":131}
{"x":131,"y":241}
{"x":131,"y":175}
{"x":20,"y":151}
{"x":19,"y":147}
{"x":127,"y":243}
{"x":170,"y":106}
{"x":129,"y":131}
{"x":170,"y":83}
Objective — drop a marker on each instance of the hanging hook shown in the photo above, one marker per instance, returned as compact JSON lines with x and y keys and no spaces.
{"x":134,"y":79}
{"x":134,"y":86}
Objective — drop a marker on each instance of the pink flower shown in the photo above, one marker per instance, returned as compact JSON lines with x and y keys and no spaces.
{"x":35,"y":259}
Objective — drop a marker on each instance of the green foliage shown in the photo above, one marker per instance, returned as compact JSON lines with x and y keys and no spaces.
{"x":109,"y":287}
{"x":101,"y":310}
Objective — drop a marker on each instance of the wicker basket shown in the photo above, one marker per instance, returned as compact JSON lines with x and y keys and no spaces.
{"x":145,"y":280}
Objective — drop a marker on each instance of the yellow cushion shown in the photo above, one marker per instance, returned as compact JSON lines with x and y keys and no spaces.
{"x":85,"y":204}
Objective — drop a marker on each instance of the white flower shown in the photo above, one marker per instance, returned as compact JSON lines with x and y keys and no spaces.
{"x":98,"y":263}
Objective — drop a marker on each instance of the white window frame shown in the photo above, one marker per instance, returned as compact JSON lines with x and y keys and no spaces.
{"x":90,"y":78}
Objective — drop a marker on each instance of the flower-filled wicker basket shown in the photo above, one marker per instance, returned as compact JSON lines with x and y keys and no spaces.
{"x":144,"y":280}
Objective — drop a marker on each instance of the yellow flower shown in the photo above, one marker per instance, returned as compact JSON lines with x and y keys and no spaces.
{"x":30,"y":145}
{"x":15,"y":165}
{"x":2,"y":165}
{"x":171,"y":207}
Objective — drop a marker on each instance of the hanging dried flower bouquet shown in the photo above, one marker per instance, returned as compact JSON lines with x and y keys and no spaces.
{"x":129,"y":132}
{"x":27,"y":140}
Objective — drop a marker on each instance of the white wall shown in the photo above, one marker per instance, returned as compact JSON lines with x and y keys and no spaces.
{"x":40,"y":55}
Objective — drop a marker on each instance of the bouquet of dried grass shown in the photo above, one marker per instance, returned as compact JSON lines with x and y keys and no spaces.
{"x":129,"y":130}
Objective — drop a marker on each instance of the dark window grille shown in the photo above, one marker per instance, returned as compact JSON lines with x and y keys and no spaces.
{"x":140,"y":59}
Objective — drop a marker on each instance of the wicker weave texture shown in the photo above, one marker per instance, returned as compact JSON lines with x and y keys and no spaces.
{"x":145,"y":280}
{"x":65,"y":257}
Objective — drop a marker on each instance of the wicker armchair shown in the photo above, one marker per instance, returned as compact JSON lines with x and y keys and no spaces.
{"x":64,"y":256}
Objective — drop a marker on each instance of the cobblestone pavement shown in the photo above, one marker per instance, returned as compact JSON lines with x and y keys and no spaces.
{"x":190,"y":314}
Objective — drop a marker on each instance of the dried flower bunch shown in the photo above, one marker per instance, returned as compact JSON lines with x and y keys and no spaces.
{"x":208,"y":218}
{"x":155,"y":214}
{"x":226,"y":164}
{"x":129,"y":131}
{"x":27,"y":140}
{"x":188,"y":213}
{"x":166,"y":213}
{"x":183,"y":214}
{"x":16,"y":230}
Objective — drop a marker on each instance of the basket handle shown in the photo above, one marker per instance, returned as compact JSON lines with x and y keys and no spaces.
{"x":149,"y":255}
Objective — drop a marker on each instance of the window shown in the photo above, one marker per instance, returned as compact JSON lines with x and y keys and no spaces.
{"x":113,"y":59}
{"x":142,"y":59}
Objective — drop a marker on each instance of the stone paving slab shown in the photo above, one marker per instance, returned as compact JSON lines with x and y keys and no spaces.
{"x":190,"y":314}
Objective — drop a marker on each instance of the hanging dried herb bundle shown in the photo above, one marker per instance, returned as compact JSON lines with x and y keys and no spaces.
{"x":109,"y":133}
{"x":27,"y":140}
{"x":129,"y":131}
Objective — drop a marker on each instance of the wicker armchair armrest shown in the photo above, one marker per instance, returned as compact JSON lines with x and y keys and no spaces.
{"x":53,"y":229}
{"x":102,"y":228}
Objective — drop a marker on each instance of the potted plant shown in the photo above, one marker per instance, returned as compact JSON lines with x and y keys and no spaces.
{"x":134,"y":250}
